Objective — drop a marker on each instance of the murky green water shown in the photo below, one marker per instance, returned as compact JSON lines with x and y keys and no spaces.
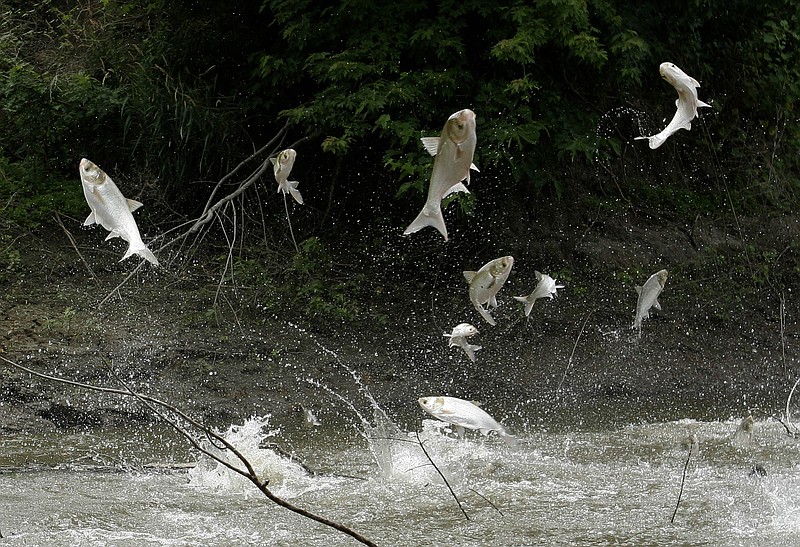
{"x":615,"y":485}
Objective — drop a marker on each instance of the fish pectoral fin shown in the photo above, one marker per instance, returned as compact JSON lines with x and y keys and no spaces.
{"x":469,"y":275}
{"x":455,"y":189}
{"x":638,"y":289}
{"x":657,"y":305}
{"x":133,"y":204}
{"x":90,"y":219}
{"x":493,"y":302}
{"x":460,"y":431}
{"x":486,"y":315}
{"x":111,"y":235}
{"x":702,"y":104}
{"x":431,"y":145}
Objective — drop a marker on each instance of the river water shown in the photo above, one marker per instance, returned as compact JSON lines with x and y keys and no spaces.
{"x":564,"y":483}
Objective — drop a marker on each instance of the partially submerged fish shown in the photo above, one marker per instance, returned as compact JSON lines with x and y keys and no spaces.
{"x":311,"y":419}
{"x":687,"y":103}
{"x":459,"y":338}
{"x":744,"y":433}
{"x":112,"y":210}
{"x":283,"y":166}
{"x":464,"y":415}
{"x":545,"y":288}
{"x":453,"y":151}
{"x":486,"y":282}
{"x":648,"y":298}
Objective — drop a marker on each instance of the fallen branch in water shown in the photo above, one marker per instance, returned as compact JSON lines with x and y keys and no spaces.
{"x":693,"y":440}
{"x":791,"y":429}
{"x":173,"y":416}
{"x":422,"y":446}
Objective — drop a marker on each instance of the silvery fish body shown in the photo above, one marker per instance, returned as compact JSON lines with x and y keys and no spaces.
{"x":453,"y":151}
{"x":546,"y":287}
{"x":487,"y":282}
{"x":283,"y":166}
{"x":112,"y":210}
{"x":464,"y":415}
{"x":687,"y":103}
{"x":459,"y":338}
{"x":648,"y":298}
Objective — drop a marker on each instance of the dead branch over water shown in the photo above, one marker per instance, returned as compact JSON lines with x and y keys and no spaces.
{"x":173,"y":416}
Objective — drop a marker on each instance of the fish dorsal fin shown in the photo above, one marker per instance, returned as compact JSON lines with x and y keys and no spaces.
{"x":431,"y":144}
{"x":694,"y":82}
{"x":474,"y":168}
{"x":89,"y":220}
{"x":678,"y":102}
{"x":538,"y":275}
{"x":638,"y":289}
{"x":469,"y":276}
{"x":133,"y":204}
{"x":273,"y":160}
{"x":111,"y":235}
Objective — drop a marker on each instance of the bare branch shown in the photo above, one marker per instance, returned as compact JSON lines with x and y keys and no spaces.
{"x":153,"y":405}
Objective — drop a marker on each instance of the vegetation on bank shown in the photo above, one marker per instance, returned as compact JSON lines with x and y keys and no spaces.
{"x":169,"y":96}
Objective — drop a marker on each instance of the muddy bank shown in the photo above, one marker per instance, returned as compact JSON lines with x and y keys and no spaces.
{"x":723,"y":344}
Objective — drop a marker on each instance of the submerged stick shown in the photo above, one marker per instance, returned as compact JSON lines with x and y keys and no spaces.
{"x":156,"y":406}
{"x":422,"y":446}
{"x":693,"y":440}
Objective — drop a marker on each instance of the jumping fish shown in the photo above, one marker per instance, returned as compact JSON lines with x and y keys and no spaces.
{"x":687,"y":103}
{"x":486,"y":282}
{"x":453,"y":151}
{"x":459,"y":338}
{"x":545,"y":288}
{"x":283,"y":166}
{"x":648,"y":297}
{"x":112,"y":210}
{"x":464,"y":415}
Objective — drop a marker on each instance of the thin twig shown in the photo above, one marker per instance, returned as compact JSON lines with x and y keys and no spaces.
{"x":75,"y":246}
{"x":693,"y":440}
{"x":574,"y":347}
{"x":788,"y":402}
{"x":422,"y":446}
{"x":487,"y":500}
{"x":291,"y":232}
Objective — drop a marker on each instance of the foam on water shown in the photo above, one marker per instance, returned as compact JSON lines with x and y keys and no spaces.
{"x":249,"y":439}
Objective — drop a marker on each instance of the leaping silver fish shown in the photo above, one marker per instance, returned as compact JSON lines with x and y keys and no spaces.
{"x":545,"y":288}
{"x":453,"y":151}
{"x":112,"y":210}
{"x":459,"y":336}
{"x":648,"y":298}
{"x":687,"y":103}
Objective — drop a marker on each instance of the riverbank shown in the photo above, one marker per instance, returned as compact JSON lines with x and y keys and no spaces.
{"x":724,"y":343}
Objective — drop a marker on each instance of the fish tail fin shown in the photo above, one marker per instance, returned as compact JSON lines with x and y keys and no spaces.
{"x":144,"y":252}
{"x":470,"y":350}
{"x":428,"y":217}
{"x":655,"y":141}
{"x":529,"y":302}
{"x":294,"y":191}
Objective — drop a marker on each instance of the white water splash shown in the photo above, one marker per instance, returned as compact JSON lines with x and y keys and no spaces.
{"x":248,"y":439}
